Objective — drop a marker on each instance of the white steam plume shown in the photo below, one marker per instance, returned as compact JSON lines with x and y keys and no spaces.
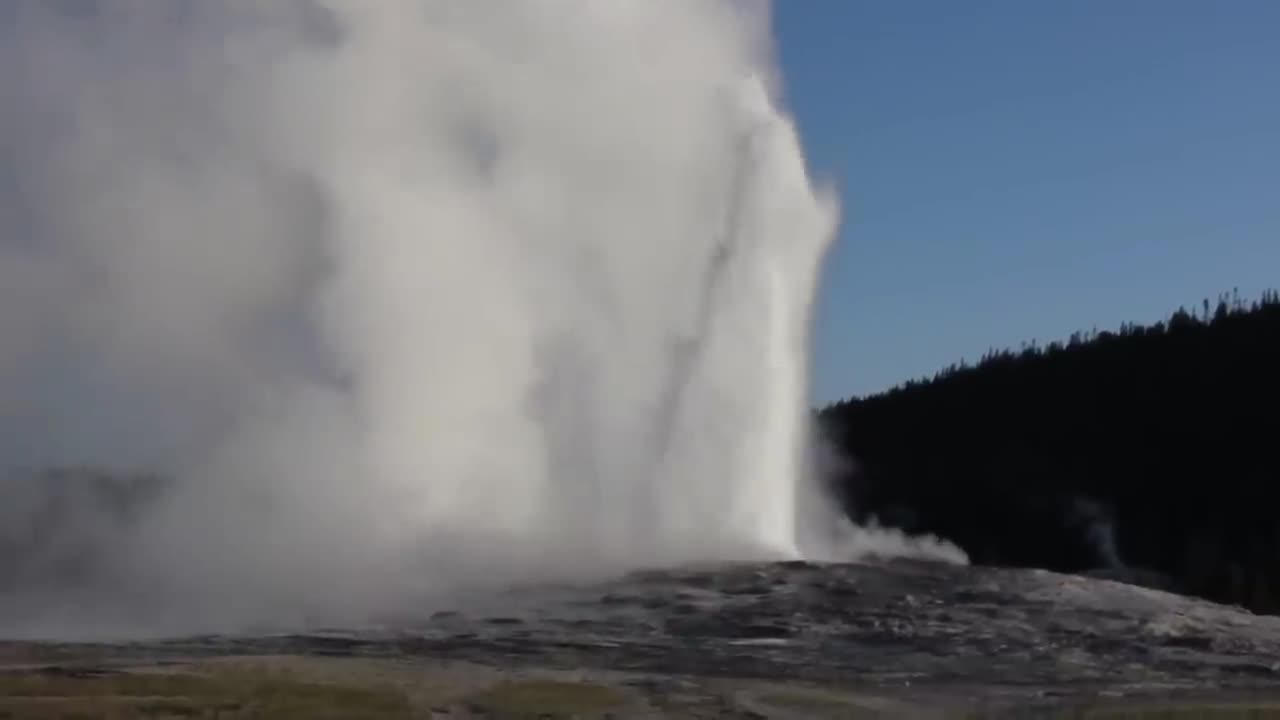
{"x":403,"y":294}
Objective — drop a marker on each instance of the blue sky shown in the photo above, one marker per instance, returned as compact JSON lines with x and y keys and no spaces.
{"x":1018,"y":169}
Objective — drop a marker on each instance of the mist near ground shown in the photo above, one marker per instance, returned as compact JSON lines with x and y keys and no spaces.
{"x":400,"y":299}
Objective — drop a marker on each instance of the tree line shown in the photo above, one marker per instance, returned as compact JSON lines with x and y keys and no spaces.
{"x":1154,"y":446}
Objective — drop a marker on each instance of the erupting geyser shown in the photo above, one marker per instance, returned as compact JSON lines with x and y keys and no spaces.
{"x":461,"y":281}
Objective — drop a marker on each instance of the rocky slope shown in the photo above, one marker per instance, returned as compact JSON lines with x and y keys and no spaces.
{"x":915,"y":636}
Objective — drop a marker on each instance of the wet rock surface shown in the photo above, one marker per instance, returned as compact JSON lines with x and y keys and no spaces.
{"x":984,"y":636}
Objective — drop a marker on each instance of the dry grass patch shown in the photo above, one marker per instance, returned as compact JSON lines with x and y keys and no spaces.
{"x":226,"y":695}
{"x":541,"y":698}
{"x":822,"y":704}
{"x":1190,"y":711}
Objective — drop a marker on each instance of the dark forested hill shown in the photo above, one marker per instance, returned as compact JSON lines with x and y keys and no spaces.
{"x":1155,"y":446}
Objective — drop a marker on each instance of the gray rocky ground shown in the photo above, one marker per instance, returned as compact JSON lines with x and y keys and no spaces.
{"x":901,"y":638}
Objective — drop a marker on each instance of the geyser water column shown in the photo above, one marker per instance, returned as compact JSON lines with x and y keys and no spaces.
{"x":525,"y":279}
{"x":575,"y":251}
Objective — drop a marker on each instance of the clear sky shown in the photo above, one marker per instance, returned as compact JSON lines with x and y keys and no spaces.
{"x":1018,"y":169}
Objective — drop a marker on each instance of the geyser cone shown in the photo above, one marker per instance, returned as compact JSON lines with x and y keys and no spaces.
{"x":396,"y":290}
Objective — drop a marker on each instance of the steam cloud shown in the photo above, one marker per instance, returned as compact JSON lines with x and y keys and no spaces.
{"x":404,"y":295}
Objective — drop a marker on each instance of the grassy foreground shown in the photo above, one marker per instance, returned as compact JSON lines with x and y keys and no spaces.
{"x":298,"y":689}
{"x":312,"y":688}
{"x":222,"y":693}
